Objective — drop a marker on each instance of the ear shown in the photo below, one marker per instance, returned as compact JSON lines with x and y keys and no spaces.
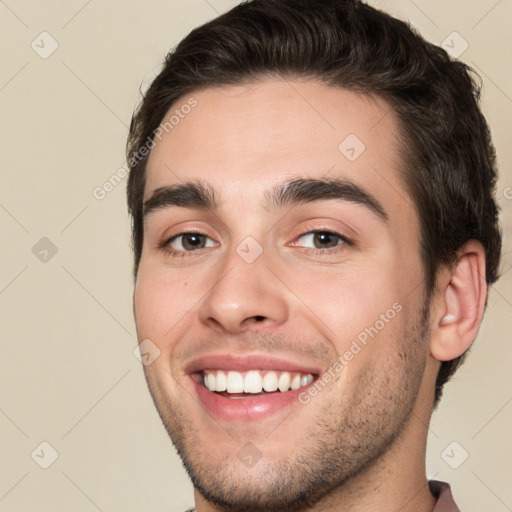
{"x":459,"y":303}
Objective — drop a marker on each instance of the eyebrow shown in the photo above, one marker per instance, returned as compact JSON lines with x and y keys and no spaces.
{"x":200,"y":194}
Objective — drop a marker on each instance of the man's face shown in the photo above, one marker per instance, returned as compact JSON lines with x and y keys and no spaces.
{"x":271,"y":289}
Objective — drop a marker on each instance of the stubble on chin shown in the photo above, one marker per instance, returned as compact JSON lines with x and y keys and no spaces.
{"x":350,"y":432}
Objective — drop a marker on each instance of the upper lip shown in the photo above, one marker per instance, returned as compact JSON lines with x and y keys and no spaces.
{"x":246,"y":362}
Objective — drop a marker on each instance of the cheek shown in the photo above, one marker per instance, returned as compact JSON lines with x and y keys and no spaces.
{"x":363,"y":309}
{"x":162,"y":304}
{"x":352,"y":299}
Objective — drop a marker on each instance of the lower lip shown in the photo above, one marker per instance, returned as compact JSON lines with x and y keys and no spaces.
{"x":246,"y":409}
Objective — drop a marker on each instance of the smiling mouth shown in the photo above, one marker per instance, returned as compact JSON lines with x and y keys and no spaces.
{"x":234,"y":384}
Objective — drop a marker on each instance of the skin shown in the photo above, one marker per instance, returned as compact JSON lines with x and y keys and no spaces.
{"x":360,"y":443}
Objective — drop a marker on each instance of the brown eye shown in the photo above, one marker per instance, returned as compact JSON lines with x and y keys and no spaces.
{"x":324,"y":239}
{"x":193,"y":241}
{"x":321,"y":240}
{"x":189,"y":242}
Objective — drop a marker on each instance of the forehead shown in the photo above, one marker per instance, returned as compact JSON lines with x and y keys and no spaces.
{"x":244,"y":138}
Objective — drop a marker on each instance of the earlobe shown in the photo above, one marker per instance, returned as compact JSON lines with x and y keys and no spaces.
{"x":459,"y":307}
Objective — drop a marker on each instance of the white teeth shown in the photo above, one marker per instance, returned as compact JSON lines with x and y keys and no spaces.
{"x":253,"y":382}
{"x":295,"y":383}
{"x":210,"y":381}
{"x":284,"y":382}
{"x":235,"y":383}
{"x":221,"y":382}
{"x":270,"y":382}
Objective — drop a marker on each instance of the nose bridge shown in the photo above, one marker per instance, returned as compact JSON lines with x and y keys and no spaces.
{"x":245,"y":291}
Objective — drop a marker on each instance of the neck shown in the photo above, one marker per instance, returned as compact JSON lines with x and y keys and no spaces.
{"x":394,"y":482}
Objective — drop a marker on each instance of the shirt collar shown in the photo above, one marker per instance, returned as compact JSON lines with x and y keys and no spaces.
{"x":443,"y":493}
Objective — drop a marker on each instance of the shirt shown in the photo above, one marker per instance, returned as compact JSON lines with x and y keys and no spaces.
{"x":440,"y":490}
{"x":443,"y":493}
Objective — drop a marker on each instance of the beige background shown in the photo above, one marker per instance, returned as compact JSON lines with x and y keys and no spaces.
{"x":68,"y":375}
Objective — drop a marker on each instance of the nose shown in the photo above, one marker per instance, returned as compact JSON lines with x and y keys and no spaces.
{"x":244,"y":296}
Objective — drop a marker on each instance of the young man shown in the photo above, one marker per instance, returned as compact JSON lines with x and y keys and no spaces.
{"x":314,"y":232}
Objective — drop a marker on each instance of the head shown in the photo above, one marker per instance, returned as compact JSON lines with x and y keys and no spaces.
{"x":258,"y":123}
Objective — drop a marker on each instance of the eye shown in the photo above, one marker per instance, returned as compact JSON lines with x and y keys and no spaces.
{"x":188,"y":242}
{"x":321,"y":240}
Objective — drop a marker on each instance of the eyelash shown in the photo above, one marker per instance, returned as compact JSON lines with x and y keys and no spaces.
{"x":166,"y":247}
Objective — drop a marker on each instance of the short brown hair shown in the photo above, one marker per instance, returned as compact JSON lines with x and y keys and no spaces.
{"x":449,"y":162}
